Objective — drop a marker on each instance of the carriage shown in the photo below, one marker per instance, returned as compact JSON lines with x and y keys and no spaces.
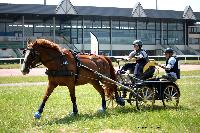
{"x":149,"y":88}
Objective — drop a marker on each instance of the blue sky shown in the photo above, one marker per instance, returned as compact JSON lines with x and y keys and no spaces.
{"x":178,"y":5}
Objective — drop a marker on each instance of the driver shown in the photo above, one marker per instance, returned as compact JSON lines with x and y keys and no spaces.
{"x":141,"y":57}
{"x":172,"y":66}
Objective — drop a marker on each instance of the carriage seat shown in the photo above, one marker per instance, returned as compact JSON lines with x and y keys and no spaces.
{"x":149,"y":69}
{"x":127,"y":67}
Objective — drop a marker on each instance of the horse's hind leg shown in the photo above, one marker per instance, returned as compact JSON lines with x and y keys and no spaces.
{"x":49,"y":90}
{"x":99,"y":88}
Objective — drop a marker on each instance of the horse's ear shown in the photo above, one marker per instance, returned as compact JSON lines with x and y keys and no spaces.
{"x":29,"y":43}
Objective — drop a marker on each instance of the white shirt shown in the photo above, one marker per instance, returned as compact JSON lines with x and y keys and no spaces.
{"x":140,"y":54}
{"x":170,"y":65}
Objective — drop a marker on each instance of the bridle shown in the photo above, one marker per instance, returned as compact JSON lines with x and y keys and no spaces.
{"x":38,"y":62}
{"x":31,"y":61}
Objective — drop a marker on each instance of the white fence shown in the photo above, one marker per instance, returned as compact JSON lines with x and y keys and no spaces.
{"x":158,"y":58}
{"x":11,"y":60}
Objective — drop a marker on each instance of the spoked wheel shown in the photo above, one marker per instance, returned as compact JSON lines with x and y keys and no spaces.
{"x":132,"y":98}
{"x":171,"y":95}
{"x":145,"y":98}
{"x":111,"y":101}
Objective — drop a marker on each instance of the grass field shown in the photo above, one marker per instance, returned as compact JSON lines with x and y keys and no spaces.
{"x":19,"y":103}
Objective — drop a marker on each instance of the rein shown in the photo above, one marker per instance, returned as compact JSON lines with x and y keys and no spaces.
{"x":53,"y":58}
{"x":65,"y":72}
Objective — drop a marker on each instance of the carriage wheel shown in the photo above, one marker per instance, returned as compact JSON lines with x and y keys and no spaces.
{"x":111,"y":101}
{"x":145,"y":98}
{"x":171,"y":96}
{"x":132,"y":98}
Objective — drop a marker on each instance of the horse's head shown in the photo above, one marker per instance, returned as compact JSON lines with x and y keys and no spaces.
{"x":31,"y":58}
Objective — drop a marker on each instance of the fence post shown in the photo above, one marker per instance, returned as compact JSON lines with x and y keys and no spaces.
{"x":185,"y":59}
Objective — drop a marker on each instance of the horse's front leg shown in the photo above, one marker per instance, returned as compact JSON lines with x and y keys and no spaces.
{"x":49,"y":90}
{"x":73,"y":100}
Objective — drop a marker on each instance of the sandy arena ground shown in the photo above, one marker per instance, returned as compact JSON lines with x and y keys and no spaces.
{"x":41,"y":71}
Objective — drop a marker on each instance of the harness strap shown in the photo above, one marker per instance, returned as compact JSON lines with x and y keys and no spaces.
{"x":78,"y":63}
{"x":58,"y":73}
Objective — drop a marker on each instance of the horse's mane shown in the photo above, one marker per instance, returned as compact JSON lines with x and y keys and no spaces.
{"x":47,"y":43}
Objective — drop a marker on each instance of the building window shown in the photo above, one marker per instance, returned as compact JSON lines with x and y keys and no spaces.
{"x":164,"y":26}
{"x":179,"y":26}
{"x":2,"y":27}
{"x":158,"y":25}
{"x":147,"y":36}
{"x":141,"y":25}
{"x":123,"y":36}
{"x":175,"y":37}
{"x":132,"y":25}
{"x":105,"y":24}
{"x":123,"y":25}
{"x":172,"y":26}
{"x":87,"y":24}
{"x":151,"y":25}
{"x":103,"y":35}
{"x":194,"y":40}
{"x":96,"y":24}
{"x":115,"y":24}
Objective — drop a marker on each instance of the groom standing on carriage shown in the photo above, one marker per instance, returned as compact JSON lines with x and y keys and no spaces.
{"x":171,"y":67}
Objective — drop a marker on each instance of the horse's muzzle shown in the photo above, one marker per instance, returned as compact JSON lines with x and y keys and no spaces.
{"x":24,"y":70}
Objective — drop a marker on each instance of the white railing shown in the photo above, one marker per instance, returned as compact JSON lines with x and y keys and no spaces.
{"x":5,"y":60}
{"x":183,"y":57}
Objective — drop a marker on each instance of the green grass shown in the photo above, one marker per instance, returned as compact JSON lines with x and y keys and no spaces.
{"x":9,"y":66}
{"x":20,"y":79}
{"x":190,"y":73}
{"x":19,"y":103}
{"x":14,"y":66}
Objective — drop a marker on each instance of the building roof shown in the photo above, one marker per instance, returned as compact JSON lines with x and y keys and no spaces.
{"x":164,"y":14}
{"x":89,"y":10}
{"x":197,"y":14}
{"x":103,"y":11}
{"x":27,"y":8}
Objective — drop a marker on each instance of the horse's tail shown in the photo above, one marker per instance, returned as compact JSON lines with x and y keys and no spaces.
{"x":109,"y":87}
{"x":109,"y":90}
{"x":112,"y":69}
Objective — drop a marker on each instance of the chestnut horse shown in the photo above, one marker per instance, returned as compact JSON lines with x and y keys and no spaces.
{"x":65,"y":68}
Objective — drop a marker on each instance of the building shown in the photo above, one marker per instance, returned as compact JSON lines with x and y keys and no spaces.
{"x":115,"y":28}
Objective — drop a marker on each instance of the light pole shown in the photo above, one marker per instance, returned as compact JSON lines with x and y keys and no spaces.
{"x":156,"y":5}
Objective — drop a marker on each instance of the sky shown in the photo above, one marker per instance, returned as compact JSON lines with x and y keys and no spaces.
{"x":178,"y":5}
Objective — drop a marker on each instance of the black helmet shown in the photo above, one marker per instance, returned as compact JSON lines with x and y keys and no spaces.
{"x":138,"y":42}
{"x":169,"y":50}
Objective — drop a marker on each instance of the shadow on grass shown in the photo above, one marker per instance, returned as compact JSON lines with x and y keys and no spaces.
{"x":79,"y":117}
{"x":113,"y":111}
{"x":133,"y":109}
{"x":157,"y":107}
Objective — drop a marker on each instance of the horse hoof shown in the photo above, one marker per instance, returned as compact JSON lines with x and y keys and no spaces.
{"x":121,"y":102}
{"x":73,"y":114}
{"x":37,"y":115}
{"x":101,"y":110}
